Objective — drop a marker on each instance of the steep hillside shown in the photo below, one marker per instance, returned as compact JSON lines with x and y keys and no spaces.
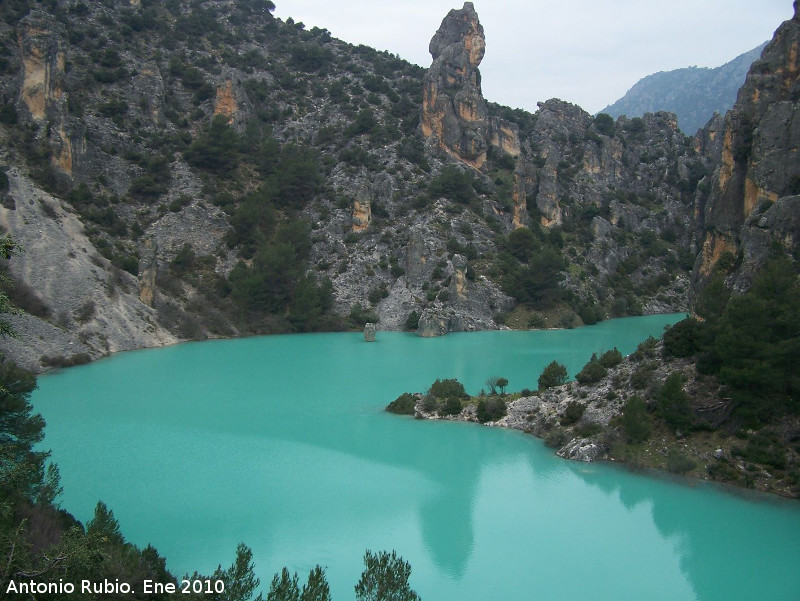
{"x":206,"y":169}
{"x":752,"y":209}
{"x":694,"y":94}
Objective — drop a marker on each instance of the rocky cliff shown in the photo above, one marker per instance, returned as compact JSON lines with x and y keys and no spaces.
{"x":752,"y":206}
{"x":454,"y":112}
{"x":240,"y":174}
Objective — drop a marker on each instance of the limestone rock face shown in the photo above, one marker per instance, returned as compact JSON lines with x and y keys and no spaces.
{"x":454,"y":112}
{"x":582,"y":449}
{"x":41,"y":48}
{"x":759,"y":162}
{"x":41,"y":43}
{"x":225,"y":102}
{"x":95,"y":305}
{"x":362,"y":209}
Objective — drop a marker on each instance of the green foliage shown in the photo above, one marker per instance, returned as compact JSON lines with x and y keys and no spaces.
{"x":316,"y":588}
{"x":452,"y":183}
{"x":554,"y":374}
{"x":684,"y":339}
{"x":276,"y":280}
{"x":360,"y":315}
{"x":364,"y":123}
{"x":645,"y":350}
{"x":573,"y":413}
{"x":385,"y":578}
{"x":296,"y":176}
{"x":636,"y":423}
{"x":412,"y":322}
{"x":611,"y":358}
{"x":592,"y":372}
{"x":104,"y":525}
{"x":8,"y":114}
{"x":310,"y":57}
{"x":556,"y":438}
{"x":764,"y":448}
{"x":523,"y":244}
{"x":284,"y":587}
{"x":679,"y":463}
{"x":604,"y":124}
{"x":155,"y":180}
{"x":534,"y":284}
{"x":713,"y":299}
{"x":491,"y":409}
{"x":310,"y":303}
{"x":451,"y":406}
{"x":240,"y":578}
{"x":590,"y":313}
{"x":673,"y":403}
{"x":216,"y":149}
{"x":21,"y":463}
{"x":496,"y":382}
{"x":8,"y":248}
{"x":640,"y":378}
{"x":403,"y":405}
{"x":758,"y":343}
{"x":449,"y":388}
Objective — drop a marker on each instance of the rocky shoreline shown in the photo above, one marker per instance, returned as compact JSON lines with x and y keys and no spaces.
{"x":707,"y":454}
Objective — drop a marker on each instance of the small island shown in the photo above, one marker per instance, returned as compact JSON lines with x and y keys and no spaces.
{"x":713,"y":399}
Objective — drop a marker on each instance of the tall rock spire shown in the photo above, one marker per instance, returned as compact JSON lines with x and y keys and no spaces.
{"x":454,"y":112}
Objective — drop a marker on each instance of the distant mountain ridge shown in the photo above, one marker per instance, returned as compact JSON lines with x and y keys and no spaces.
{"x":694,"y":94}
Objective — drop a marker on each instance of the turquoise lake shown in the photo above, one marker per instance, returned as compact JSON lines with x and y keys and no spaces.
{"x":281,"y":442}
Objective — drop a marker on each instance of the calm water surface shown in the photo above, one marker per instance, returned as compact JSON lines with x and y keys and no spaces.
{"x":281,"y":442}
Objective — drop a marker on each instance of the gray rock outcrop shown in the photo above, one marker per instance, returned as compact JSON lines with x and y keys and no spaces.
{"x":759,"y":164}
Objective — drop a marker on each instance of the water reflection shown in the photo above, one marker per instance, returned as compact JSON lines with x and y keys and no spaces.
{"x":291,"y":435}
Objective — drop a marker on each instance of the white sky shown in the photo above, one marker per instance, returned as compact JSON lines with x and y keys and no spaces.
{"x":589,"y":52}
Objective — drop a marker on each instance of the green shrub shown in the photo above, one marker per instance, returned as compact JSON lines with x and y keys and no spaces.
{"x":679,"y":463}
{"x":573,"y":413}
{"x":763,"y":448}
{"x":403,"y":405}
{"x":588,"y":429}
{"x":556,"y":438}
{"x":450,"y":388}
{"x":490,"y":410}
{"x":451,"y":406}
{"x":592,"y":372}
{"x":604,"y":124}
{"x":684,"y":339}
{"x":673,"y":403}
{"x":359,"y":315}
{"x":452,"y":183}
{"x":611,"y":358}
{"x":429,"y":403}
{"x":636,"y":422}
{"x":640,"y":378}
{"x":216,"y":149}
{"x":645,"y":350}
{"x":412,"y":322}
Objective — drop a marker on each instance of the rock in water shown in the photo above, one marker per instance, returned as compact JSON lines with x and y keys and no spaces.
{"x":369,"y":332}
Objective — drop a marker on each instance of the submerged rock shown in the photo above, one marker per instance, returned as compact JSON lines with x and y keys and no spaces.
{"x":369,"y":332}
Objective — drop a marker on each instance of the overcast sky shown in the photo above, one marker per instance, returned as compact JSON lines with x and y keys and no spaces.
{"x":589,"y":52}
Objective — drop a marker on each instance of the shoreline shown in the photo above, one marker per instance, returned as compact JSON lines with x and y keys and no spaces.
{"x":708,"y":451}
{"x":734,"y":487}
